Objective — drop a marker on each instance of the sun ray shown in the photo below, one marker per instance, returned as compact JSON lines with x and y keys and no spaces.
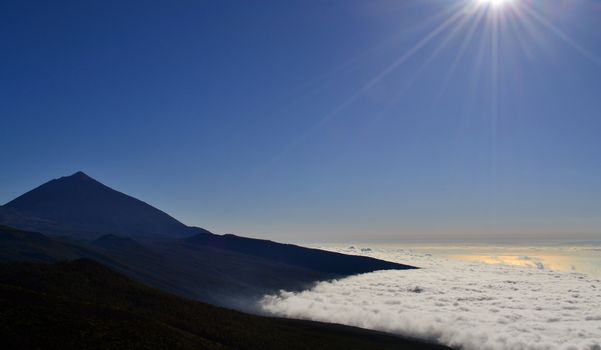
{"x":453,"y":33}
{"x":494,"y":110}
{"x":518,"y":34}
{"x":461,"y":52}
{"x":353,"y":63}
{"x":561,"y":35}
{"x":374,"y":81}
{"x":535,"y":33}
{"x":410,"y":53}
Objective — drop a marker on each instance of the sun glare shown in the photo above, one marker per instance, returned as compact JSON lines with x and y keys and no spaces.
{"x":494,"y":3}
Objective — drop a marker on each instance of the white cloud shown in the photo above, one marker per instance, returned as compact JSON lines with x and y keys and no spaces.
{"x":472,"y":305}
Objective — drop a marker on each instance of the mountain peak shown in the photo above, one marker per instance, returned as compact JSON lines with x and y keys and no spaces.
{"x":80,"y":205}
{"x":79,"y":175}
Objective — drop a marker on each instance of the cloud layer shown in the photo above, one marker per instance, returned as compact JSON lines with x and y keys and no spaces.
{"x":461,"y":304}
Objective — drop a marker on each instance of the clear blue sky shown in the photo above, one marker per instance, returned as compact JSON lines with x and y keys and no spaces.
{"x":339,"y":120}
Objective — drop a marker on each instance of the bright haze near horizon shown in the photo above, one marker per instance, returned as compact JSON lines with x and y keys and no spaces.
{"x":315,"y":121}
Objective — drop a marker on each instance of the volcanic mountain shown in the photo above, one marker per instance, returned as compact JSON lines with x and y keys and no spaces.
{"x":81,"y":206}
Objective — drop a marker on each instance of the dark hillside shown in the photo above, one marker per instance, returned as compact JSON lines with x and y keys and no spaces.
{"x":83,"y":305}
{"x":227,"y":276}
{"x":290,"y":254}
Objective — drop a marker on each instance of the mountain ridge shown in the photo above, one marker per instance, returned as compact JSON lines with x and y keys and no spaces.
{"x":215,"y":273}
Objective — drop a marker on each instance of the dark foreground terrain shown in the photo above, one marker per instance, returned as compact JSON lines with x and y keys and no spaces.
{"x":84,"y":305}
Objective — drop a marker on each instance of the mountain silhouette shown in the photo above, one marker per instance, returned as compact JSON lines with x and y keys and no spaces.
{"x":78,"y":217}
{"x":81,"y":206}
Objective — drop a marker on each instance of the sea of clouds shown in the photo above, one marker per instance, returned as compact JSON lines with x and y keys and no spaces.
{"x":467,"y":305}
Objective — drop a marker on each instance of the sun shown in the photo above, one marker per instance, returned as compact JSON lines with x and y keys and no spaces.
{"x":493,"y":3}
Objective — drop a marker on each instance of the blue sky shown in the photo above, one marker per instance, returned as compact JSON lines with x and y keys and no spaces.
{"x":315,"y":120}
